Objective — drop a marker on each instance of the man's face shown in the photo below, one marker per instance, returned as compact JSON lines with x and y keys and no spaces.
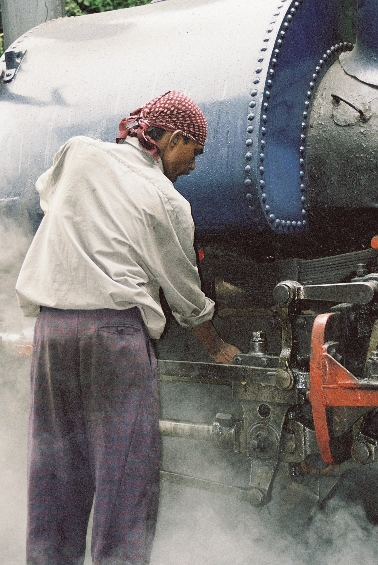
{"x":179,"y":156}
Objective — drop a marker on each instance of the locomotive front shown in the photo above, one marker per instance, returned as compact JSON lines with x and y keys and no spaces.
{"x":296,"y":288}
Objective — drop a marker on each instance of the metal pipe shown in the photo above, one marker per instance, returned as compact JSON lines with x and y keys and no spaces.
{"x":225,"y":430}
{"x":18,"y":16}
{"x":173,"y":428}
{"x":362,"y":61}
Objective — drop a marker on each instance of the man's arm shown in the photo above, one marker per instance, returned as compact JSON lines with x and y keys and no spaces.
{"x":218,"y":349}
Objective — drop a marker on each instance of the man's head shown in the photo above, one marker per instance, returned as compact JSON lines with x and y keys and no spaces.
{"x":170,"y":126}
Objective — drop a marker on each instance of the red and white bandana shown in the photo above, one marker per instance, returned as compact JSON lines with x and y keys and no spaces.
{"x":171,"y":111}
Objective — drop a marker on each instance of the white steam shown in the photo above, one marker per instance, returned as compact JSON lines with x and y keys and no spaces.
{"x":194,"y":527}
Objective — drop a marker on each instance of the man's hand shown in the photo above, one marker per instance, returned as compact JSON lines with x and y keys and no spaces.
{"x":218,"y":349}
{"x":226,"y":354}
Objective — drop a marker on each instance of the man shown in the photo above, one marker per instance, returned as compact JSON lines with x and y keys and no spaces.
{"x":114,"y":232}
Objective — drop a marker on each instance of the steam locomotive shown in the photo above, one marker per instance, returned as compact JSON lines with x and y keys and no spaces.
{"x":285,"y":204}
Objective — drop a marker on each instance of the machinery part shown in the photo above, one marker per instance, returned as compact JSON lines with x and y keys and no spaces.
{"x":252,"y":495}
{"x":241,"y":90}
{"x":331,"y":385}
{"x":364,"y":450}
{"x":362,"y":292}
{"x":19,"y":16}
{"x":285,"y":295}
{"x":362,"y":61}
{"x":364,"y":116}
{"x":336,"y":130}
{"x":371,"y":365}
{"x":13,"y":60}
{"x":257,"y":344}
{"x":224,"y":431}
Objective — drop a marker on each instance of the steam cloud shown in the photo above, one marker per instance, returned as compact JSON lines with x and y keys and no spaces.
{"x":194,"y":527}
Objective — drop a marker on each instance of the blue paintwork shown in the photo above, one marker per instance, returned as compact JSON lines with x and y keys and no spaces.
{"x":77,"y":80}
{"x":310,"y":33}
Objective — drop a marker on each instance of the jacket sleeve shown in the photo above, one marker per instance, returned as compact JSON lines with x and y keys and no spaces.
{"x":170,"y":258}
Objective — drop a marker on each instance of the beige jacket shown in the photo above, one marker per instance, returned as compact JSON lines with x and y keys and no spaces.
{"x":115,"y":230}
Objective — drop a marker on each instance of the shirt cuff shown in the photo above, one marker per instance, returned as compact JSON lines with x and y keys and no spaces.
{"x":196,"y":319}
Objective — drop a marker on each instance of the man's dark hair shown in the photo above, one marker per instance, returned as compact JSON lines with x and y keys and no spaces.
{"x":157,"y":133}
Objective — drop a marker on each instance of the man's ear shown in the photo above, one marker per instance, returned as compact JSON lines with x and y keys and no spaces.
{"x":175,"y":138}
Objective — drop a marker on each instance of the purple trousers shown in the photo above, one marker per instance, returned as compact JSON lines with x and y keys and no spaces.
{"x":93,"y":434}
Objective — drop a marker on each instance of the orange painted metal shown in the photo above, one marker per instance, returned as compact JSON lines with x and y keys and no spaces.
{"x":331,"y":384}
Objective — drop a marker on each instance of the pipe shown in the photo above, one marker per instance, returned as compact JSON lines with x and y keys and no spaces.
{"x":18,"y":16}
{"x":362,"y":61}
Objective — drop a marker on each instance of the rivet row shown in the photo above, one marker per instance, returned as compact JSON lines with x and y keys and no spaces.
{"x":265,"y":107}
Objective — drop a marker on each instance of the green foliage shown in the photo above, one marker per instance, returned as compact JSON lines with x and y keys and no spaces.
{"x":79,"y":7}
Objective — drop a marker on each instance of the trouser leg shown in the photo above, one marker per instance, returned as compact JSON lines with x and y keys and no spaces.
{"x":93,"y":427}
{"x":121,"y":404}
{"x":60,"y":483}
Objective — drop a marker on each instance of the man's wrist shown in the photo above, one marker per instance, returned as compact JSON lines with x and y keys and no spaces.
{"x":215,"y":351}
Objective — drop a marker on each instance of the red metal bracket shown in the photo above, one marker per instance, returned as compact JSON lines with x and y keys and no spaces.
{"x":332,"y":385}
